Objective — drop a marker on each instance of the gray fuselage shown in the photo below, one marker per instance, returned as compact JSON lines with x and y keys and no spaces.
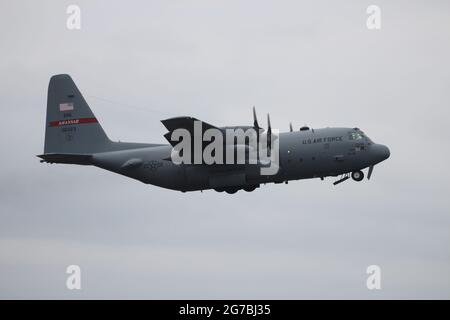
{"x":302,"y":154}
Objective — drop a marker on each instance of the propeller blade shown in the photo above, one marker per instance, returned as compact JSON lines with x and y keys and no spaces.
{"x":370,"y":172}
{"x":257,"y":129}
{"x":269,"y":135}
{"x":255,"y":120}
{"x":290,"y":127}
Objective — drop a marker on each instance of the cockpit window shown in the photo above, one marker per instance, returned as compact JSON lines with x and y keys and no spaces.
{"x":356,"y":136}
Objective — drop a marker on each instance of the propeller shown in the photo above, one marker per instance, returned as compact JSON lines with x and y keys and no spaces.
{"x":269,"y":132}
{"x":255,"y":120}
{"x":257,"y":128}
{"x":269,"y":136}
{"x":290,"y":127}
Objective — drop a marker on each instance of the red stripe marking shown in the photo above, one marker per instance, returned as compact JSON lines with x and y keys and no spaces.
{"x":72,"y":122}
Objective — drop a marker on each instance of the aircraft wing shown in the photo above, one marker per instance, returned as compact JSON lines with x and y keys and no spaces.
{"x":187,"y":123}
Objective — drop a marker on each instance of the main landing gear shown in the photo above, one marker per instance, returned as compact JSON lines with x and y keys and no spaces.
{"x":232,"y":190}
{"x":229,"y":190}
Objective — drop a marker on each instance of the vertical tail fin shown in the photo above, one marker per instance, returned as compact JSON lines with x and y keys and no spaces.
{"x":71,"y":127}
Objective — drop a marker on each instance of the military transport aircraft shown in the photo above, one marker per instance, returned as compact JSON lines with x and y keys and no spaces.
{"x":74,"y":136}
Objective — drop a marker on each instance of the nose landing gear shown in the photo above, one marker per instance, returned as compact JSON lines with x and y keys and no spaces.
{"x":357,"y":175}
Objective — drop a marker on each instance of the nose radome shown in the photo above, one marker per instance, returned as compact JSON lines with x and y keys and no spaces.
{"x":386,"y":152}
{"x":382,"y":152}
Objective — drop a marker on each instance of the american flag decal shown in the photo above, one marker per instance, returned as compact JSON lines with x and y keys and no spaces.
{"x":66,"y":106}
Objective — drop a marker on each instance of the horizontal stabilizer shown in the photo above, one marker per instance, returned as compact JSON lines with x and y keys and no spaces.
{"x":82,"y":159}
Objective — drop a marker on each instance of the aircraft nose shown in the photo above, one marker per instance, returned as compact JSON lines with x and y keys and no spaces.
{"x":381,"y":152}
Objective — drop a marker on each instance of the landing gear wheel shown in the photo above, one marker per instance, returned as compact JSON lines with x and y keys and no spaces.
{"x":231,"y":190}
{"x":357,"y":175}
{"x":250,"y":188}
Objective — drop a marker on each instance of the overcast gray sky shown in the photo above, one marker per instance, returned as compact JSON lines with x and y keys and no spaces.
{"x":309,"y":62}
